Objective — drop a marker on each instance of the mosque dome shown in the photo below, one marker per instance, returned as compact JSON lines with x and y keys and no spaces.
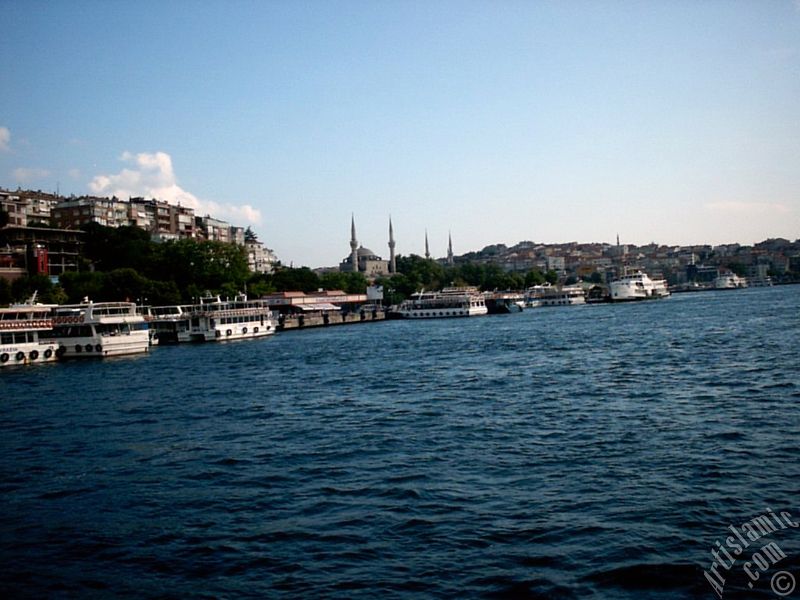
{"x":365,"y":252}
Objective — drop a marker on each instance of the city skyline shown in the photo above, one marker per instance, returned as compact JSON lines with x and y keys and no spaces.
{"x":499,"y":122}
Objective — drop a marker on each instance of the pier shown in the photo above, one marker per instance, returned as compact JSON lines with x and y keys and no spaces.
{"x":328,"y":319}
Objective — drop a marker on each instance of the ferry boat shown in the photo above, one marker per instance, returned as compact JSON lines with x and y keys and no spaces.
{"x":638,"y":286}
{"x":549,"y":295}
{"x":729,"y":281}
{"x":22,"y":334}
{"x":225,"y":320}
{"x":166,"y":323}
{"x":98,"y":329}
{"x":450,"y":302}
{"x":503,"y":302}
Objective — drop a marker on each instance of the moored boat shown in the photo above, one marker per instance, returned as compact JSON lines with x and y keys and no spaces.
{"x":450,"y":302}
{"x":226,"y":320}
{"x":549,"y":295}
{"x":729,"y":281}
{"x":23,"y":329}
{"x":168,"y":323}
{"x":503,"y":302}
{"x":637,"y":286}
{"x":98,"y":329}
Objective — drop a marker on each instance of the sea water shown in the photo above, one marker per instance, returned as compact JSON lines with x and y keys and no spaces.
{"x":594,"y":451}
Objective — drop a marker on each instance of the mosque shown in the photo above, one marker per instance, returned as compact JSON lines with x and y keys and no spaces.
{"x":364,"y":260}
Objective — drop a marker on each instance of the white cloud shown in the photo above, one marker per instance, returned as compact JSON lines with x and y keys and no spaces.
{"x":5,"y":139}
{"x":747,"y":208}
{"x":152,"y":176}
{"x":23,"y":175}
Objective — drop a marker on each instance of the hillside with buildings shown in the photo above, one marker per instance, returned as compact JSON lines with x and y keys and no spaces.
{"x":175,"y":253}
{"x":43,"y":232}
{"x":679,"y":265}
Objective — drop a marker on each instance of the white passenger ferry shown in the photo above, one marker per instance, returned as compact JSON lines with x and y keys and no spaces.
{"x":503,"y":302}
{"x":22,"y":331}
{"x":97,"y":329}
{"x":638,"y":286}
{"x":730,"y":281}
{"x":450,"y":302}
{"x":168,"y":324}
{"x":224,"y":320}
{"x":549,"y":295}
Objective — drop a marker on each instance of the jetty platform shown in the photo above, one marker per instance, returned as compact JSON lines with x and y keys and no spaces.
{"x":328,"y":319}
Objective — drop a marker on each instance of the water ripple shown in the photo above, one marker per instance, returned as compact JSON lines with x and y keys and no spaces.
{"x":565,"y":453}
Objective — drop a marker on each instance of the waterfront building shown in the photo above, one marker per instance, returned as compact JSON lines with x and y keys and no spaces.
{"x":213,"y":230}
{"x":39,"y":251}
{"x":163,"y":220}
{"x":321,"y":301}
{"x":363,"y":260}
{"x":13,"y":206}
{"x":25,"y":207}
{"x":259,"y":258}
{"x":74,"y":213}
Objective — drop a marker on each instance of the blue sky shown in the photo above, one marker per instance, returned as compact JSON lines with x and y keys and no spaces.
{"x":668,"y":121}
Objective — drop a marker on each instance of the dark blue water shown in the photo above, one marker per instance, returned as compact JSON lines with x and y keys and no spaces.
{"x":594,"y":451}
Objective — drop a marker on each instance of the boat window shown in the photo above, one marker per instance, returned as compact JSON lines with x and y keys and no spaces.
{"x":6,"y":338}
{"x":73,"y":331}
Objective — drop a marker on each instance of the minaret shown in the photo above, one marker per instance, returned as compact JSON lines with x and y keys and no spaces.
{"x":353,"y":244}
{"x":392,"y":264}
{"x":427,"y":250}
{"x":450,"y":260}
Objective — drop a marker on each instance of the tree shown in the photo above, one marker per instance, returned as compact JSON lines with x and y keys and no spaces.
{"x":334,"y":280}
{"x":46,"y":292}
{"x":259,"y":285}
{"x":302,"y":279}
{"x":125,"y":285}
{"x":109,"y":248}
{"x":534,"y":277}
{"x":250,"y":235}
{"x":80,"y":285}
{"x":355,"y":283}
{"x":196,"y":267}
{"x":5,"y":292}
{"x":427,"y":273}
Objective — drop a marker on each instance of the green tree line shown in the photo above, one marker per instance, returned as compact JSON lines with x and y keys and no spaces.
{"x":124,"y":264}
{"x":415,"y":273}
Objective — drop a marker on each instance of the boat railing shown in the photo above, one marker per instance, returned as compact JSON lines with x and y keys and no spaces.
{"x":27,"y":324}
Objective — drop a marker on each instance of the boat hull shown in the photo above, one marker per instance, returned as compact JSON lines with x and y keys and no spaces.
{"x":28,"y":353}
{"x":443,"y":313}
{"x":136,"y":342}
{"x":228,"y":333}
